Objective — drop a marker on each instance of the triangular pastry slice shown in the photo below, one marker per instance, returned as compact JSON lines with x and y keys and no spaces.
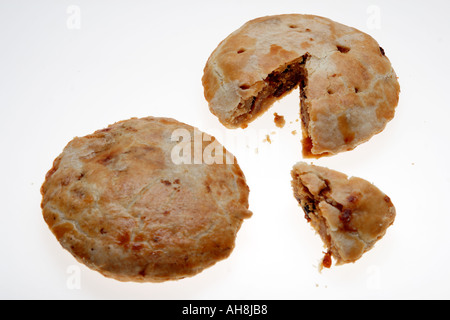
{"x":349,"y":214}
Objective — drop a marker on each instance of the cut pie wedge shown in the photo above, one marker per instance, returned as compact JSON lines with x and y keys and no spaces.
{"x":349,"y":214}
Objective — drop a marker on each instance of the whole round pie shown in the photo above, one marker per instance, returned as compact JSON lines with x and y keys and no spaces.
{"x":129,"y":204}
{"x":348,"y":88}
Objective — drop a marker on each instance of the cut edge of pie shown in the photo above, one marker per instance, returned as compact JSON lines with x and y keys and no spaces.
{"x":349,"y":214}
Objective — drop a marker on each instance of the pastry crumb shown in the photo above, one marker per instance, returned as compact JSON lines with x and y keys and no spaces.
{"x":279,"y":120}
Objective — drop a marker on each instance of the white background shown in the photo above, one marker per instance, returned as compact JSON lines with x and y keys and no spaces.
{"x":68,"y":68}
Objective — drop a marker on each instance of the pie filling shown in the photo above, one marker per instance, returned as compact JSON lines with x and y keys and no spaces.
{"x":277,"y":84}
{"x":313,"y":215}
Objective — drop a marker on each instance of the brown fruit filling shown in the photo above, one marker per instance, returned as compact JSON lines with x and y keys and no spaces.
{"x":276,"y":85}
{"x":310,"y":204}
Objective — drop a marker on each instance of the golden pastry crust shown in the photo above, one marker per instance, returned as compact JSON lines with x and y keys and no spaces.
{"x":349,"y":90}
{"x":350,"y":214}
{"x":119,"y":204}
